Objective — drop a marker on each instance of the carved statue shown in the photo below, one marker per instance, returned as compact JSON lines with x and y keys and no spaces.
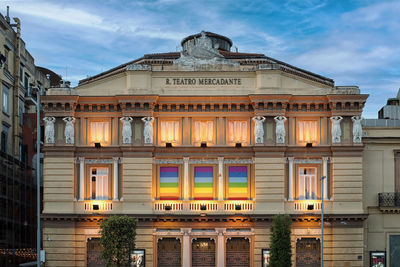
{"x":148,"y":129}
{"x":69,"y":130}
{"x":280,"y":131}
{"x":259,"y":129}
{"x":49,"y":129}
{"x":357,"y":129}
{"x":336,"y":130}
{"x":126,"y":130}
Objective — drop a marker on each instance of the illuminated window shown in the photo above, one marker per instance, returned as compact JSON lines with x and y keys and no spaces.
{"x":99,"y":180}
{"x":307,"y":132}
{"x":203,"y":188}
{"x":169,"y":131}
{"x":204,"y":131}
{"x":169,"y":183}
{"x":100,"y":132}
{"x":307,"y":183}
{"x":237,"y":132}
{"x":238,"y":182}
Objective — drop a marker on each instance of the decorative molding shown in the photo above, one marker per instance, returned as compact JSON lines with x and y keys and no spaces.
{"x":238,"y":161}
{"x":203,"y":161}
{"x":301,"y":161}
{"x":168,"y":161}
{"x":138,"y":67}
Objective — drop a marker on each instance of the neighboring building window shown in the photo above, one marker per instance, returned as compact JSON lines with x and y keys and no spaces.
{"x":21,"y":73}
{"x":394,"y":245}
{"x":26,"y":81}
{"x":169,"y":131}
{"x":307,"y":183}
{"x":99,"y":179}
{"x":4,"y":138}
{"x":307,"y":131}
{"x":203,"y":183}
{"x":203,"y":131}
{"x":237,"y":131}
{"x":5,"y":97}
{"x":100,"y":132}
{"x":21,"y":110}
{"x":6,"y":52}
{"x":169,"y":183}
{"x":238,"y":182}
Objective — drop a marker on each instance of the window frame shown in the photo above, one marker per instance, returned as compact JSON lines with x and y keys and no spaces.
{"x":180,"y":181}
{"x":248,"y":130}
{"x":5,"y":99}
{"x":318,"y":168}
{"x":214,"y":130}
{"x":215,"y":183}
{"x":317,"y":133}
{"x":89,"y":132}
{"x":5,"y":131}
{"x":88,"y":180}
{"x":226,"y":181}
{"x":160,"y":128}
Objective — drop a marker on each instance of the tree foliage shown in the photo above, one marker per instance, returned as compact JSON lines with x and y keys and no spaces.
{"x":118,"y":235}
{"x":281,"y":248}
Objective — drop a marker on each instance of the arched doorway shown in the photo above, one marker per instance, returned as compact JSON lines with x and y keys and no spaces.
{"x":169,"y":252}
{"x":308,"y":252}
{"x":203,"y":252}
{"x":238,"y":252}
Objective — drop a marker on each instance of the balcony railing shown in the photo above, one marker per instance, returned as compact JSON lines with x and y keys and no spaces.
{"x":389,"y":199}
{"x":206,"y":206}
{"x":97,"y":206}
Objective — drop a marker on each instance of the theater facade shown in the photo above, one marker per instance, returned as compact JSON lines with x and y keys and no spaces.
{"x":204,"y":147}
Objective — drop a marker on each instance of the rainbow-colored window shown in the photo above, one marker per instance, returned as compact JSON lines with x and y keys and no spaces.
{"x":203,"y":183}
{"x":238,"y":182}
{"x":169,"y":183}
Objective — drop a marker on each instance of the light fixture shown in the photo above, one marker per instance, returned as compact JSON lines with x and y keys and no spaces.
{"x":309,"y":145}
{"x":238,"y":207}
{"x":203,"y":207}
{"x":310,"y":207}
{"x":168,"y":144}
{"x":167,"y":207}
{"x":203,"y":144}
{"x":238,"y":145}
{"x":96,"y":207}
{"x":97,"y":145}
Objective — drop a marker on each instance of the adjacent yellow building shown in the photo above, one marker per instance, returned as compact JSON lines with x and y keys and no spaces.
{"x":204,"y":147}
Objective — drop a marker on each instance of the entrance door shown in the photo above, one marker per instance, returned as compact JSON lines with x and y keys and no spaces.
{"x":169,"y":252}
{"x":308,"y":252}
{"x":93,"y":253}
{"x":238,"y":252}
{"x":203,"y":253}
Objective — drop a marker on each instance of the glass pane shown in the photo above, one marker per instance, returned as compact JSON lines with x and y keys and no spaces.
{"x":203,"y":182}
{"x":238,"y":182}
{"x":169,"y":182}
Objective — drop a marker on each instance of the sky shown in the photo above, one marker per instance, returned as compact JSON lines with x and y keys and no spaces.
{"x":352,"y":42}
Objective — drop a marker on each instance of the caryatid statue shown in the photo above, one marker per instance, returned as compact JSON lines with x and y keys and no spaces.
{"x":357,"y":129}
{"x":148,"y":129}
{"x":280,"y":131}
{"x":69,"y":130}
{"x":49,"y":129}
{"x":126,"y":130}
{"x":336,"y":130}
{"x":259,"y":129}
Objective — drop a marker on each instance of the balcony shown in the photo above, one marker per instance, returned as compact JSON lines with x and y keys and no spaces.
{"x":389,"y":202}
{"x":97,"y":206}
{"x":206,"y":206}
{"x":307,"y":206}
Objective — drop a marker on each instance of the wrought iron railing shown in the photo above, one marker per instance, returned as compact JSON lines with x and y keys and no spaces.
{"x":389,"y":199}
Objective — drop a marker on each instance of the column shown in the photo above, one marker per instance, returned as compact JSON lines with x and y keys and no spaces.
{"x":186,"y":246}
{"x":290,"y":182}
{"x":325,"y":173}
{"x":81,"y":178}
{"x":185,"y":179}
{"x":220,"y":178}
{"x":116,"y":178}
{"x":220,"y":247}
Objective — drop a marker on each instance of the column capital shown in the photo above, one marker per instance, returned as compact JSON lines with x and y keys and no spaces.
{"x":185,"y":159}
{"x":290,"y":159}
{"x":81,"y":159}
{"x":220,"y":159}
{"x":326,"y":158}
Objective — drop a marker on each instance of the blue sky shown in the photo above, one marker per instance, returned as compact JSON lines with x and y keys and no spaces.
{"x":352,"y":42}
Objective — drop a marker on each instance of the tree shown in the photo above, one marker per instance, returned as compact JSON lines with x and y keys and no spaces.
{"x":118,"y":235}
{"x":281,"y":248}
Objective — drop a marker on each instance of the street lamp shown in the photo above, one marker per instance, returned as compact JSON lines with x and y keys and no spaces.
{"x":322,"y":220}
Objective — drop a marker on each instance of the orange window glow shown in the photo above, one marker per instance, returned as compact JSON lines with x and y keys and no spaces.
{"x":100,"y":132}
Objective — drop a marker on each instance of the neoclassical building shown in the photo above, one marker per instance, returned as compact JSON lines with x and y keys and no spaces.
{"x":204,"y":147}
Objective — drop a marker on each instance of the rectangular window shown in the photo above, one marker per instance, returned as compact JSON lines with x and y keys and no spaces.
{"x":307,"y":131}
{"x":237,"y":131}
{"x":203,"y":131}
{"x":238,"y":182}
{"x":169,"y":183}
{"x":6,"y":53}
{"x":307,"y":183}
{"x":4,"y":138}
{"x":26,"y":81}
{"x":99,"y":183}
{"x":100,"y":132}
{"x":169,"y":131}
{"x":5,"y":96}
{"x":21,"y":73}
{"x":203,"y":183}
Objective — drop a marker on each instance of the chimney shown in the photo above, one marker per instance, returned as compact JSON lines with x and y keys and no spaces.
{"x":8,"y":15}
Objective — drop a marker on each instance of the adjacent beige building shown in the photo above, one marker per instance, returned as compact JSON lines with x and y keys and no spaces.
{"x":204,"y":147}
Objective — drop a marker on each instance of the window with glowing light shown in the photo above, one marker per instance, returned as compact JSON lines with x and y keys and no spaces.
{"x":100,"y":132}
{"x":238,"y":185}
{"x":169,"y":132}
{"x":204,"y":132}
{"x":307,"y":131}
{"x":237,"y":131}
{"x":99,"y":183}
{"x":307,"y":183}
{"x":169,"y":183}
{"x":203,"y":183}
